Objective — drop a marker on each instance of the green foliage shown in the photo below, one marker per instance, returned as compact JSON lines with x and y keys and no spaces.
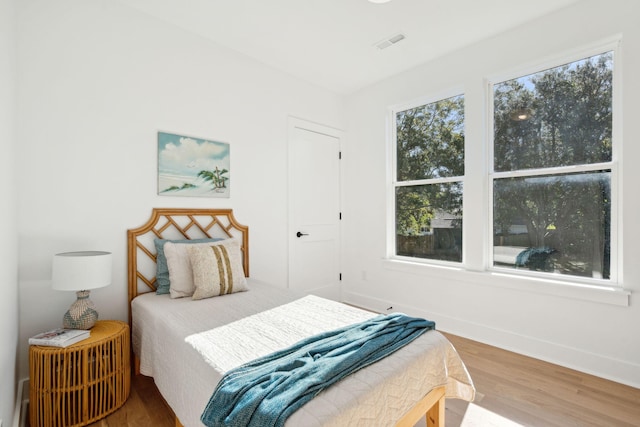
{"x":412,"y":211}
{"x":569,"y":123}
{"x":184,"y":186}
{"x":570,"y":117}
{"x":216,"y":177}
{"x":430,"y":144}
{"x":430,"y":140}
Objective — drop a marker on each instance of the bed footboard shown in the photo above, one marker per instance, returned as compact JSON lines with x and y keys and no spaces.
{"x":432,"y":405}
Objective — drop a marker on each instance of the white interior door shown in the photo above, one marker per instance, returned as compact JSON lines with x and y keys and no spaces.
{"x":314,"y":192}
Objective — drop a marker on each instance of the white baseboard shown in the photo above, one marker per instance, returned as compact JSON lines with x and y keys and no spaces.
{"x":620,"y":371}
{"x":20,"y":413}
{"x":329,"y":292}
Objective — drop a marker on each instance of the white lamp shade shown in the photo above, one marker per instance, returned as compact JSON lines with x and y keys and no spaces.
{"x":76,"y":271}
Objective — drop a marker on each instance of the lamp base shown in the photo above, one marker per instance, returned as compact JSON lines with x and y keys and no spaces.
{"x":82,"y":314}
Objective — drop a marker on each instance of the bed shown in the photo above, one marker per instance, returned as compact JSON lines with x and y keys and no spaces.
{"x":187,"y":345}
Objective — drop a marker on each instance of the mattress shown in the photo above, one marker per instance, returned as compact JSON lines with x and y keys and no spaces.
{"x":187,"y":346}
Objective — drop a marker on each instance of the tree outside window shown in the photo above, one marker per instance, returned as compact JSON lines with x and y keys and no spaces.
{"x":552,"y":170}
{"x":428,"y":186}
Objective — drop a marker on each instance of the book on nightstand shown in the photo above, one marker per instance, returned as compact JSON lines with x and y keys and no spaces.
{"x":59,"y":337}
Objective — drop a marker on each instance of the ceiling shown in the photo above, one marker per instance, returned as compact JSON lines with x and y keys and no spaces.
{"x":331,"y":43}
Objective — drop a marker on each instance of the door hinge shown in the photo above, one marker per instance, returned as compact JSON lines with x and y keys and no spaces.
{"x":339,"y":155}
{"x":339,"y":215}
{"x":340,"y":278}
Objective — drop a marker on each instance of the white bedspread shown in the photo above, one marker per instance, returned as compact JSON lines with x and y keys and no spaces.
{"x":188,"y":345}
{"x":280,"y":327}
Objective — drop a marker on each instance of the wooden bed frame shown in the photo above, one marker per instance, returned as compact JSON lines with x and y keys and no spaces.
{"x":187,"y":223}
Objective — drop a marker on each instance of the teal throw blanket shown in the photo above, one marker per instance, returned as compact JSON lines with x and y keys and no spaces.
{"x":266,"y":391}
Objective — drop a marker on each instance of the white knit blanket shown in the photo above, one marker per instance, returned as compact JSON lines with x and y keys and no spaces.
{"x":231,"y":345}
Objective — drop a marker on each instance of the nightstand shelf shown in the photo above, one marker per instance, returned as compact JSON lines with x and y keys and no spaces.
{"x":79,"y":384}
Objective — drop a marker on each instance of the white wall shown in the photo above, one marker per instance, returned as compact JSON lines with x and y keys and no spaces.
{"x":591,"y":336}
{"x":8,"y":222}
{"x":97,"y":81}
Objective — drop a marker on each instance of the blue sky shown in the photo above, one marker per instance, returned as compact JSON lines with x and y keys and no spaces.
{"x":186,"y":156}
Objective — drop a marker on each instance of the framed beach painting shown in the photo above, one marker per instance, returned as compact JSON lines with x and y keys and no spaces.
{"x":189,"y":166}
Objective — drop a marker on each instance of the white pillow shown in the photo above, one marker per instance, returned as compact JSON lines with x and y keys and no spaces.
{"x":217,"y":269}
{"x":180,"y":274}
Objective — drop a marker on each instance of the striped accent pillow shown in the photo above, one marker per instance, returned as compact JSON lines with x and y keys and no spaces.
{"x":217,"y":269}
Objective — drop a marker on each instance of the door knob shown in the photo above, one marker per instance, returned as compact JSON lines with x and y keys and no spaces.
{"x":300,"y":234}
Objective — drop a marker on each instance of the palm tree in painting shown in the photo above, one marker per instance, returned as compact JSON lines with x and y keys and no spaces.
{"x":215,"y":177}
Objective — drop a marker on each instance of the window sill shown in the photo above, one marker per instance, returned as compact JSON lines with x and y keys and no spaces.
{"x":599,"y":294}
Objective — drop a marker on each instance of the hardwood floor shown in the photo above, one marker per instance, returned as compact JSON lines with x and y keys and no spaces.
{"x":531,"y":392}
{"x":512,"y":390}
{"x":145,"y":407}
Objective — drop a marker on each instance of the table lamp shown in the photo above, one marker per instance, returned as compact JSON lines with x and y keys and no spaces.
{"x":80,"y":272}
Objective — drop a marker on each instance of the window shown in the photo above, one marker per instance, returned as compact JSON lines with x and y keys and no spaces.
{"x":553,"y":170}
{"x":427,"y":185}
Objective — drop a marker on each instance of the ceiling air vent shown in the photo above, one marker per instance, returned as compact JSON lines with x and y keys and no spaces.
{"x":389,"y":41}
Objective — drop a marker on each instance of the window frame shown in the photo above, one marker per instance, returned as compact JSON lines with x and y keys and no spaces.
{"x":614,"y":166}
{"x":393,"y":183}
{"x":478,"y":244}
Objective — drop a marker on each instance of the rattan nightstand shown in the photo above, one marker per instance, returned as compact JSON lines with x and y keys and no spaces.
{"x":79,"y":384}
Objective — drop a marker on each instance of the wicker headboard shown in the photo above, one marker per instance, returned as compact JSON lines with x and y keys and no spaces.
{"x":173,"y":223}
